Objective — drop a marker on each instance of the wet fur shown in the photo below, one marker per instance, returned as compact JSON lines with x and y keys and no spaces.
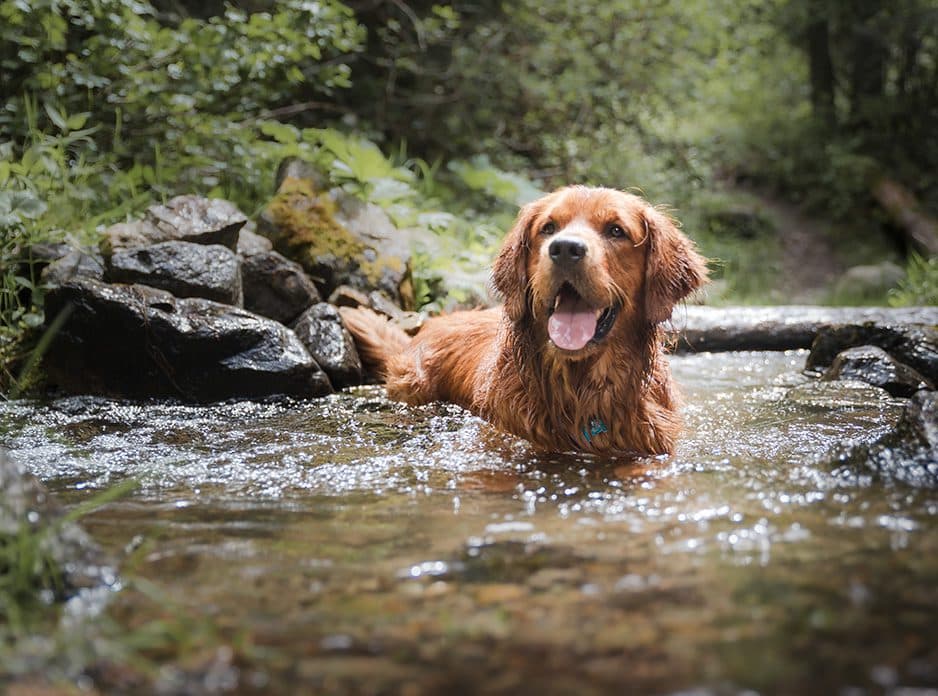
{"x":500,"y":364}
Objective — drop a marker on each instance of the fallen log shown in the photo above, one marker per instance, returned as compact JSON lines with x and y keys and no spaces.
{"x":919,"y":229}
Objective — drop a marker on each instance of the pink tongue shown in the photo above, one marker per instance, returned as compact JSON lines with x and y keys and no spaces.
{"x":572,"y":324}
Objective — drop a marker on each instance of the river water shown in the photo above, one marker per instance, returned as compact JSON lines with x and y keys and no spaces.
{"x":354,"y":545}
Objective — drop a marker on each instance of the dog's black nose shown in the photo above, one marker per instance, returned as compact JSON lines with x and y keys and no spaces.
{"x":566,"y":251}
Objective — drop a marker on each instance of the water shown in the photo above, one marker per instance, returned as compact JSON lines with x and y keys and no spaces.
{"x":353,"y":545}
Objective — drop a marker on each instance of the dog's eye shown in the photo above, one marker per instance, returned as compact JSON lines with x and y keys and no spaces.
{"x":615,"y":230}
{"x":549,"y":228}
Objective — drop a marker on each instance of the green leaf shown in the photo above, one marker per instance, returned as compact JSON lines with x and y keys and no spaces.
{"x":56,"y":117}
{"x":281,"y":132}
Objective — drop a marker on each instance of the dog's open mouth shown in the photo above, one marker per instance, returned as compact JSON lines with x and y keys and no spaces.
{"x":573,"y":323}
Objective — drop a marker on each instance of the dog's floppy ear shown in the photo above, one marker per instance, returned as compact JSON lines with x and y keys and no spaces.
{"x":673,"y":267}
{"x":510,"y":271}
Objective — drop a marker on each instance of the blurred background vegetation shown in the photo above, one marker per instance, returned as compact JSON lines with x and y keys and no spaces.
{"x":768,"y":126}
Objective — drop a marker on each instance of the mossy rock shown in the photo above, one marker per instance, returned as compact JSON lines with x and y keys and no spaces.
{"x":338,"y":240}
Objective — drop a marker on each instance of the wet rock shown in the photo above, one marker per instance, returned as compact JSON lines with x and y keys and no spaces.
{"x":250,"y":242}
{"x":909,"y":453}
{"x":782,"y":328}
{"x":199,"y":220}
{"x":184,"y":218}
{"x":74,"y":264}
{"x":321,"y":330}
{"x":915,"y":345}
{"x":339,"y":240}
{"x":875,"y":366}
{"x":842,"y":394}
{"x":185,"y":269}
{"x":25,"y":504}
{"x":137,"y":341}
{"x":276,"y":287}
{"x":46,"y":252}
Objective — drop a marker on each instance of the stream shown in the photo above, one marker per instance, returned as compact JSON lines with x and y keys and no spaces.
{"x":355,"y":545}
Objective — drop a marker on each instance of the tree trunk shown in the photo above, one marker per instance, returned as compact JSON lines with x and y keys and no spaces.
{"x":822,"y":72}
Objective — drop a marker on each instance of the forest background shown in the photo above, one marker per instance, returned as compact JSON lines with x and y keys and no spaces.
{"x":767,"y":127}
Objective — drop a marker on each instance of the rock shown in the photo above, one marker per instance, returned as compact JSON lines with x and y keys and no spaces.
{"x":25,"y":504}
{"x":780,"y":328}
{"x":915,"y":345}
{"x":820,"y":397}
{"x":339,"y":240}
{"x":875,"y":366}
{"x":909,"y":453}
{"x":185,"y":269}
{"x":130,"y":235}
{"x":45,"y":253}
{"x":865,"y":284}
{"x":137,"y":341}
{"x":296,"y":168}
{"x":199,"y":220}
{"x":276,"y":287}
{"x":250,"y":242}
{"x":184,"y":218}
{"x":321,"y":330}
{"x":346,"y":296}
{"x":74,"y":264}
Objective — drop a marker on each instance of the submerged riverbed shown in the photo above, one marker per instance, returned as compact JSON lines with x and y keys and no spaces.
{"x":354,"y":545}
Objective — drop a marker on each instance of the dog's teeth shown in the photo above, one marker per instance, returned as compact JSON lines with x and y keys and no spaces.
{"x":557,"y":301}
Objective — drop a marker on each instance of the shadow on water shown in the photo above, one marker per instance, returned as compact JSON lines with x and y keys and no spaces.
{"x":353,"y":545}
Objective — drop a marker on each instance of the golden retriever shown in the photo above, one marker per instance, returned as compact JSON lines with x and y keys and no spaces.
{"x":573,"y":360}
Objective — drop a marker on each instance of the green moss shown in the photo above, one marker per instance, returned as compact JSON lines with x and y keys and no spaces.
{"x":305,"y":228}
{"x":305,"y":224}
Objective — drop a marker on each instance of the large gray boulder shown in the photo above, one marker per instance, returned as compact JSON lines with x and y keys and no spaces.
{"x":137,"y":341}
{"x":321,"y":330}
{"x":276,"y":287}
{"x":182,"y":268}
{"x":75,"y":263}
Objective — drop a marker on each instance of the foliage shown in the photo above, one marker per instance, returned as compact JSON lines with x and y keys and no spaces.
{"x":920,"y":286}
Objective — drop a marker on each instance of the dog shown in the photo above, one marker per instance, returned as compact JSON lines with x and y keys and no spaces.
{"x":574,"y":358}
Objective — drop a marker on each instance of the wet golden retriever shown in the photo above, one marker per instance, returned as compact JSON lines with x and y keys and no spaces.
{"x":573,"y":360}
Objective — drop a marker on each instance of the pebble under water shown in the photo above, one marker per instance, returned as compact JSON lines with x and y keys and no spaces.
{"x":355,"y":545}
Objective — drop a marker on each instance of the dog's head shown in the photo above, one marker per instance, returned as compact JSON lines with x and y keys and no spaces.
{"x":580,"y":259}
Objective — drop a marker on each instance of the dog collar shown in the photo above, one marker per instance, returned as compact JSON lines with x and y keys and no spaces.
{"x":595,"y":427}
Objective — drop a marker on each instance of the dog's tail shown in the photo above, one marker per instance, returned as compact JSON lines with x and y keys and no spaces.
{"x":376,"y":338}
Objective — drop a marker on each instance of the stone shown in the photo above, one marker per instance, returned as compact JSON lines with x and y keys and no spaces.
{"x":339,"y":240}
{"x":140,"y":342}
{"x":867,"y":283}
{"x":130,"y":235}
{"x":74,"y":264}
{"x":915,"y":345}
{"x":26,"y":504}
{"x":185,"y":269}
{"x":791,"y":327}
{"x":199,"y":220}
{"x":250,"y":242}
{"x":321,"y":330}
{"x":276,"y":287}
{"x":409,"y":322}
{"x":875,"y":366}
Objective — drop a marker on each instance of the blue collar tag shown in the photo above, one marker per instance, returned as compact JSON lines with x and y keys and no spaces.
{"x":596,"y":427}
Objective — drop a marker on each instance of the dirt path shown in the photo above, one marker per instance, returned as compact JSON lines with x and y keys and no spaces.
{"x":809,"y":263}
